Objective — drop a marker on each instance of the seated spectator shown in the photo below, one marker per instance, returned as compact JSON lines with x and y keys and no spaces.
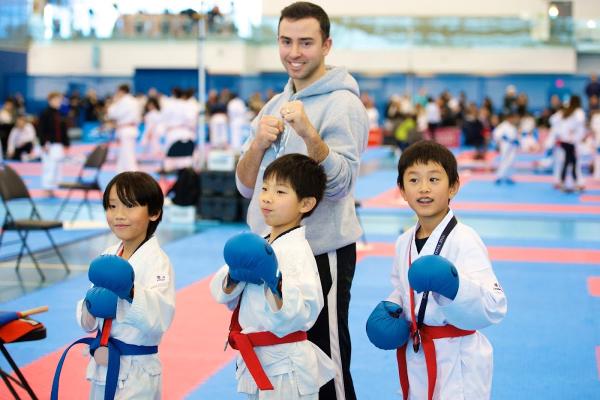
{"x":22,"y":140}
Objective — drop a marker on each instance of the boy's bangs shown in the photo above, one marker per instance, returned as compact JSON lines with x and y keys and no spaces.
{"x":277,"y":177}
{"x":126,"y":195}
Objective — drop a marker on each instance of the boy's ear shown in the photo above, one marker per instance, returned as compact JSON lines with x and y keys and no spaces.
{"x":402,"y":193}
{"x":454,"y":189}
{"x":307,"y":204}
{"x":155,"y":217}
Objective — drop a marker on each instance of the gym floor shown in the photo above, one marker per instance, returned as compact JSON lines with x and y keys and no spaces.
{"x":544,"y":245}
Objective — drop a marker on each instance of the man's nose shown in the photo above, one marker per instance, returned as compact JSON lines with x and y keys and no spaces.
{"x":295,"y":50}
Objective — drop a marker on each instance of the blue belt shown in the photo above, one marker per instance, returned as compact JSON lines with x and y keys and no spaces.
{"x":116,"y":349}
{"x":514,"y":142}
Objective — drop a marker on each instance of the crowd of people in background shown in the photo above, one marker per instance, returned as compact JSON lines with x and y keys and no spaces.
{"x":563,"y":131}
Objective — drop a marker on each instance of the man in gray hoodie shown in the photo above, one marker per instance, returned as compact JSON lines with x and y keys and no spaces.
{"x":319,"y":113}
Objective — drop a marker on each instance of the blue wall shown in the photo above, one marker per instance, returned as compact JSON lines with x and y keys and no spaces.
{"x":538,"y":87}
{"x":11,"y":62}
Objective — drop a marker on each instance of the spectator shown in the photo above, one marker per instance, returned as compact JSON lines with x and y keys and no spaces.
{"x":22,"y":140}
{"x":593,"y":87}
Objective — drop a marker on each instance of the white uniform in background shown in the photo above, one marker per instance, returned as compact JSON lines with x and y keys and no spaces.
{"x":153,"y":132}
{"x":180,"y":119}
{"x":558,"y":154}
{"x":464,"y":364}
{"x":126,"y":114}
{"x":218,"y":130}
{"x":595,"y":127}
{"x":19,"y":137}
{"x":505,"y":135}
{"x":527,"y":131}
{"x":142,"y":323}
{"x":239,"y":124}
{"x":373,"y":116}
{"x":433,"y":112}
{"x":51,"y":165}
{"x":299,"y":367}
{"x":192,"y":113}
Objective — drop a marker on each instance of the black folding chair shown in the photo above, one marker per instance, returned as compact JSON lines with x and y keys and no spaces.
{"x":179,"y":156}
{"x":87,"y":180}
{"x":12,"y":188}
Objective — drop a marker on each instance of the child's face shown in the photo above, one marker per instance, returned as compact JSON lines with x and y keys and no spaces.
{"x":427,"y":190}
{"x":280,"y":206}
{"x":129,"y":224}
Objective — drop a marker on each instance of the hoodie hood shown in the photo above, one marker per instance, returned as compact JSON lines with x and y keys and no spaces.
{"x":336,"y":78}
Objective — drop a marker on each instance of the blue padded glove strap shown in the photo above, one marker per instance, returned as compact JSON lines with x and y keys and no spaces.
{"x":101,"y":302}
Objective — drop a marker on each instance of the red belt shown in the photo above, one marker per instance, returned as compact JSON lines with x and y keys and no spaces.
{"x":428,"y":334}
{"x":245,"y":343}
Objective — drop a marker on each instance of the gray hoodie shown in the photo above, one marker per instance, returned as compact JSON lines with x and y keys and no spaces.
{"x":333,"y":106}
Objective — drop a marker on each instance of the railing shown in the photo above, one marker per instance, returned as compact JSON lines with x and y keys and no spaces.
{"x":348,"y":32}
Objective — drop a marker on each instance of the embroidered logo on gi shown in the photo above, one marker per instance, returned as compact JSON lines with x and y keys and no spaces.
{"x":497,"y":287}
{"x":161,"y":278}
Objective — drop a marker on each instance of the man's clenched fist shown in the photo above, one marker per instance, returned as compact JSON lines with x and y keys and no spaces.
{"x":269,"y":129}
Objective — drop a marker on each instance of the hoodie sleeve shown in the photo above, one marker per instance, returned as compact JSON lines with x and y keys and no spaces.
{"x":345,"y":131}
{"x":244,"y":190}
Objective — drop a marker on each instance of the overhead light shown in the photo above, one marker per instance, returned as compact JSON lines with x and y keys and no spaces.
{"x":591,"y":24}
{"x":553,"y":11}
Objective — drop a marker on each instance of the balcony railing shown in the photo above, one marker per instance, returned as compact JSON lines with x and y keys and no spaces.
{"x":384,"y":32}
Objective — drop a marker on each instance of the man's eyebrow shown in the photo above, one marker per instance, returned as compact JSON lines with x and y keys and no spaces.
{"x":302,"y":38}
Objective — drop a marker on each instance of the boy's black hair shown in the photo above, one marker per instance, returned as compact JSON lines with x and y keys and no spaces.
{"x":304,"y":9}
{"x":303,"y":174}
{"x":424,"y":151}
{"x":137,"y":189}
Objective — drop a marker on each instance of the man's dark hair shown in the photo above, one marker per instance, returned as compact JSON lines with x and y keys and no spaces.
{"x":304,"y":9}
{"x":303,"y":174}
{"x":137,"y":189}
{"x":124,"y":88}
{"x":423,"y":152}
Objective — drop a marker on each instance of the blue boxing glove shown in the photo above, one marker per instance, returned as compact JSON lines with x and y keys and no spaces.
{"x":113,"y":273}
{"x":101,"y":302}
{"x":434,"y":273}
{"x":387,"y":328}
{"x":251,"y":259}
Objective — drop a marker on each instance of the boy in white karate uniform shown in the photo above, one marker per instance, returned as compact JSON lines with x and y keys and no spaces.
{"x":274,"y":289}
{"x":506,"y":136}
{"x":126,"y":114}
{"x":444,"y":289}
{"x":133,"y":320}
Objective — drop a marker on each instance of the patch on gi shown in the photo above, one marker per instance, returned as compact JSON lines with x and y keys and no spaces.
{"x":497,"y":287}
{"x":162,"y":278}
